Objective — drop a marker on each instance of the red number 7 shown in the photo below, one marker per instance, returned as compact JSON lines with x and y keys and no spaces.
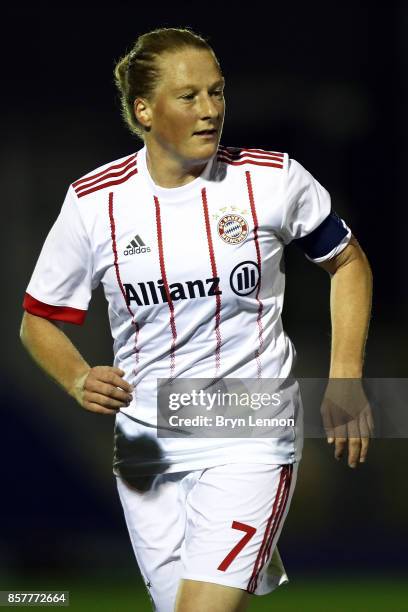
{"x":249,"y":532}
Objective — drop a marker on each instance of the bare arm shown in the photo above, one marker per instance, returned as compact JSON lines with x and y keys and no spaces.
{"x":345,"y":409}
{"x":350,"y":306}
{"x":98,"y":389}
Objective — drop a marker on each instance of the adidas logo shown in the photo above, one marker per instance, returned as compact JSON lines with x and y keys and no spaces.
{"x":136,"y":246}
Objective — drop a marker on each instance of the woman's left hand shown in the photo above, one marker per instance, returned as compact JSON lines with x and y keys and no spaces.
{"x":347,"y":418}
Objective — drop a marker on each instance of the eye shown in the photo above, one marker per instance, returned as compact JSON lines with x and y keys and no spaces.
{"x":219,"y":93}
{"x":188,"y":96}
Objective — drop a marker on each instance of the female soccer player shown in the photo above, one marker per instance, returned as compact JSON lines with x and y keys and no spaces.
{"x":187,"y":238}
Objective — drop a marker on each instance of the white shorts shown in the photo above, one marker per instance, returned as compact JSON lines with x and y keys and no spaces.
{"x":219,"y":524}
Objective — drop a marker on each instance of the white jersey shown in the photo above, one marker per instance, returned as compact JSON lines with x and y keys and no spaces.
{"x":194,"y":280}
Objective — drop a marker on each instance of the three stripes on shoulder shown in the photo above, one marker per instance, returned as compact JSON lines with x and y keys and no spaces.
{"x":112,"y":175}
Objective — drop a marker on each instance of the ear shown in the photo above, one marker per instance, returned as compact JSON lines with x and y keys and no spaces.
{"x":143,"y":112}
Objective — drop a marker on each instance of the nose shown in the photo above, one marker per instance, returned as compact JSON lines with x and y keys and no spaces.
{"x":208,"y":109}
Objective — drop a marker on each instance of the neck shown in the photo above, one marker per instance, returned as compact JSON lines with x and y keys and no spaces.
{"x":167,"y":171}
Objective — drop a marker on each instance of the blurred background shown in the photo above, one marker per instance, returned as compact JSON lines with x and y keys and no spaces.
{"x":326,"y":82}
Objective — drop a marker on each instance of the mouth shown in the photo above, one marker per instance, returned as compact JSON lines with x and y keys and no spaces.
{"x":208,"y":133}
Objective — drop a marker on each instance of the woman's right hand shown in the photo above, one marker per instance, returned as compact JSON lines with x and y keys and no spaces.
{"x":102,"y":389}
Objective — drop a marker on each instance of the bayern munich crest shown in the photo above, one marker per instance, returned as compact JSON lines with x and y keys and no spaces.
{"x":232,"y":228}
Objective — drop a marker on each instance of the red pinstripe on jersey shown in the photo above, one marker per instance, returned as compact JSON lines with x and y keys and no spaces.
{"x":256,"y":157}
{"x":272,"y":525}
{"x":166,"y":287}
{"x":120,"y":173}
{"x":214,"y":273}
{"x":119,"y":280}
{"x":258,"y":351}
{"x":55,"y":313}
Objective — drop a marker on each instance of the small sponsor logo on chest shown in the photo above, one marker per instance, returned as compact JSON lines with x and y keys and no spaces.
{"x":136,"y":246}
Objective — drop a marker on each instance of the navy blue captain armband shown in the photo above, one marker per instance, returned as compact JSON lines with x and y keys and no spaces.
{"x":324,"y":238}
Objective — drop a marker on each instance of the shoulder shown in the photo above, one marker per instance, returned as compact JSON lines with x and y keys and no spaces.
{"x":110,"y":174}
{"x":252,"y":158}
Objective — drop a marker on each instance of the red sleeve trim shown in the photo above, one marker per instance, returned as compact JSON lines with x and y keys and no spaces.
{"x":57,"y":313}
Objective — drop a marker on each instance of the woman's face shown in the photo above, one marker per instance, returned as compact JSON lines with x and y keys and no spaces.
{"x":188,"y":99}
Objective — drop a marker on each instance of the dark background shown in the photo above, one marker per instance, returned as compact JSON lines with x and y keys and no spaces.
{"x":326,"y":82}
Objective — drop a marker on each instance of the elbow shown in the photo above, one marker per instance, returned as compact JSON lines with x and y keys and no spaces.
{"x":354,"y":255}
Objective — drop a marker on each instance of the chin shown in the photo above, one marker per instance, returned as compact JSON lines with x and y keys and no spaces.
{"x":205,"y":150}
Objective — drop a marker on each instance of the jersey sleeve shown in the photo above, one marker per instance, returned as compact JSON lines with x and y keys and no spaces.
{"x":308,"y":219}
{"x":61,"y":284}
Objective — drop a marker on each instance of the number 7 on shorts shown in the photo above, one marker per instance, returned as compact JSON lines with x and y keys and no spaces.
{"x":249,"y":533}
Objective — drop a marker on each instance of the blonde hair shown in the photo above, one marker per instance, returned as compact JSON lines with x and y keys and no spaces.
{"x":137,"y":73}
